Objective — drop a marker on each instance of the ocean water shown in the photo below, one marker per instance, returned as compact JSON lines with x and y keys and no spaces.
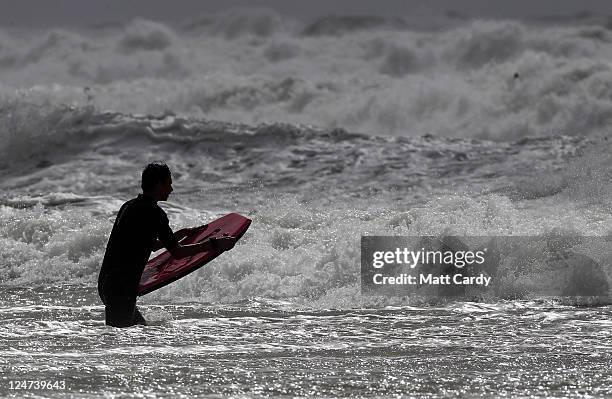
{"x":320,"y":134}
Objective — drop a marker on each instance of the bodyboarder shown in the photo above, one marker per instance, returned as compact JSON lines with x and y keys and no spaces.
{"x":140,"y":228}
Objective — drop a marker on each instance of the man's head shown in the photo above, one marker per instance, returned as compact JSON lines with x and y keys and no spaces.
{"x":157,"y":181}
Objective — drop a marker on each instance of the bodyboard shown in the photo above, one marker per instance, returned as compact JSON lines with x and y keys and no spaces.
{"x":164,"y":269}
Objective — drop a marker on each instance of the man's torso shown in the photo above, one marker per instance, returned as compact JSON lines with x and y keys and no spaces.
{"x":139,"y":222}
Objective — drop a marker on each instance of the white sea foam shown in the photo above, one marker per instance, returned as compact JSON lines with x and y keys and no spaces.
{"x":494,"y":79}
{"x":498,"y":93}
{"x":293,"y":251}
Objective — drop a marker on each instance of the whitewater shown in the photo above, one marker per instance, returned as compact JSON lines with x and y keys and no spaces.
{"x":321,"y":133}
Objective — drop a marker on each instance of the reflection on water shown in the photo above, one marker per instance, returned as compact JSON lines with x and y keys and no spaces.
{"x":264,"y":347}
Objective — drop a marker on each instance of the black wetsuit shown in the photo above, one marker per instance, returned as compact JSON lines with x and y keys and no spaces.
{"x":139,"y":222}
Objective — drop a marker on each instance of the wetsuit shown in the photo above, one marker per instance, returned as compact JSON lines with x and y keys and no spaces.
{"x":139,"y":222}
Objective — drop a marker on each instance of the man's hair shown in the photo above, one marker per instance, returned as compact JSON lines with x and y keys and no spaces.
{"x":154,"y":173}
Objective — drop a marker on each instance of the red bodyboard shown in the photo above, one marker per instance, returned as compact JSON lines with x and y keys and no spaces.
{"x":163,"y":269}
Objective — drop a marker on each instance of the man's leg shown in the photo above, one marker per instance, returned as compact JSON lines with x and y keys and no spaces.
{"x":138,"y":318}
{"x":121,"y":311}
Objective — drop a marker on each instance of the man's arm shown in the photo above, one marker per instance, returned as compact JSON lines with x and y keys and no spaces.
{"x":179,"y":251}
{"x":179,"y":235}
{"x":182,"y":233}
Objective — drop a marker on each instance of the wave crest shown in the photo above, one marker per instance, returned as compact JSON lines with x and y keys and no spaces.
{"x":147,"y":35}
{"x":339,"y":25}
{"x":486,"y":42}
{"x":258,"y":22}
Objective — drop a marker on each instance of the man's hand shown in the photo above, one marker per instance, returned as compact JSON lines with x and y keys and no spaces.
{"x":224,"y":243}
{"x":182,"y":233}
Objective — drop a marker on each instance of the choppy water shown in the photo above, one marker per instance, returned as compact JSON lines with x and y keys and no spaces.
{"x":263,"y":347}
{"x":320,"y":134}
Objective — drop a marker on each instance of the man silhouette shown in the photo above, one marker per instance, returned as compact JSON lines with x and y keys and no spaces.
{"x":140,"y":228}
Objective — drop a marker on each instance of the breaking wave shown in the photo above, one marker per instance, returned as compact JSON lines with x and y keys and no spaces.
{"x":312,"y":193}
{"x":337,"y":25}
{"x":320,"y":136}
{"x":500,"y":80}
